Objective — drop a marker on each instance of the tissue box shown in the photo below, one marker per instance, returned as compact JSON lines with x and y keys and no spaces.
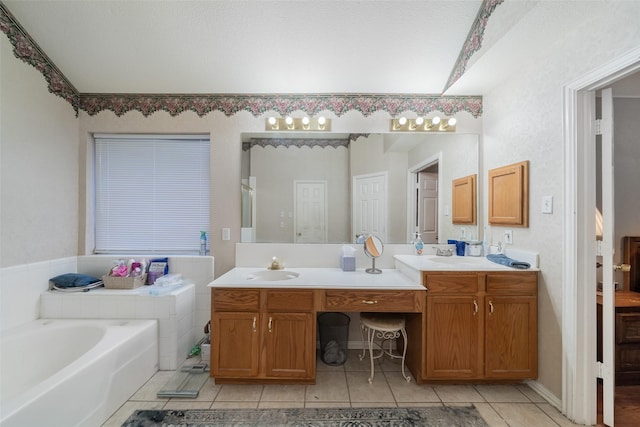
{"x":348,"y":263}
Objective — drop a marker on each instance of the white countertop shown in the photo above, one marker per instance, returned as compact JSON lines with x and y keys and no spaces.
{"x":320,"y":278}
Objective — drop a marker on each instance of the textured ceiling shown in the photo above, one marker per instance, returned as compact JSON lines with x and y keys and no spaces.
{"x":250,"y":46}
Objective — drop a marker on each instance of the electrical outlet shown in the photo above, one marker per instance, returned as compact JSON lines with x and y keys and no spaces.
{"x":508,"y":237}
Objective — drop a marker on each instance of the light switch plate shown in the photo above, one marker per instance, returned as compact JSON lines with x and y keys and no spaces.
{"x":547,"y":204}
{"x":226,"y":234}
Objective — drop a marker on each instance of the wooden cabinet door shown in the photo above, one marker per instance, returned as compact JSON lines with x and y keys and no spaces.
{"x":235,"y":344}
{"x":453,"y":349}
{"x":289,"y":345}
{"x":511,"y":334}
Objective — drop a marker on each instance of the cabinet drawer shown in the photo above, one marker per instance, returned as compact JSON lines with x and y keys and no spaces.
{"x":290,"y":301}
{"x":399,"y":301}
{"x":235,"y":299}
{"x":451,"y":283}
{"x":627,"y":328}
{"x":513,"y":283}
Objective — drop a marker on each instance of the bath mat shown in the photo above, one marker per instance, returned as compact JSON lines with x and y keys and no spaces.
{"x":433,"y":416}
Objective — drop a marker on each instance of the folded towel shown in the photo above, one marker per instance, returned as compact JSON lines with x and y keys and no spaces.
{"x":505,"y":260}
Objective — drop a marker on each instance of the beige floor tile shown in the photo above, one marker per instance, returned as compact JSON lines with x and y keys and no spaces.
{"x":234,"y":405}
{"x":361,"y":391}
{"x":148,"y":392}
{"x":523,"y":415}
{"x":530,"y":393}
{"x":330,"y":386}
{"x":555,"y":415}
{"x":354,"y":363}
{"x":374,"y":405}
{"x":209,"y":391}
{"x":239,"y":393}
{"x":182,"y":405}
{"x":501,"y":393}
{"x":457,"y":393}
{"x":327,"y":404}
{"x":490,"y":416}
{"x":280,"y":405}
{"x":418,"y":404}
{"x":410,"y":392}
{"x":283,"y":393}
{"x":125,"y":411}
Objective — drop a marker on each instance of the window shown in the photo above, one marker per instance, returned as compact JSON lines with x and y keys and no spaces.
{"x":152,"y":193}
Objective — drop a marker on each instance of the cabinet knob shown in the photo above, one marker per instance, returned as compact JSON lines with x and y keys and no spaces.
{"x":370,"y":302}
{"x":270,"y":323}
{"x":254,"y":324}
{"x":475,"y":307}
{"x":490,"y":307}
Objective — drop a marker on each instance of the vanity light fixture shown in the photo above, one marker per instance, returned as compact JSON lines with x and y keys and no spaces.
{"x":422,"y":124}
{"x":297,"y":124}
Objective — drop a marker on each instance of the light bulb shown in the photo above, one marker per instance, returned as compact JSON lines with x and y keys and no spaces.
{"x":452,"y":121}
{"x":435,"y":120}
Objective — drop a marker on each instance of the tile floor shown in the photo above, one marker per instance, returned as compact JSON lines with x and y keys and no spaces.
{"x":347,"y":386}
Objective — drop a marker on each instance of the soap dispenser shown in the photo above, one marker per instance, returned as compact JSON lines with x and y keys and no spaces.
{"x":418,"y":246}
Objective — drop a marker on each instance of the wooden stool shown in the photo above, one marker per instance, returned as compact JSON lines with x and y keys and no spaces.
{"x":386,"y":327}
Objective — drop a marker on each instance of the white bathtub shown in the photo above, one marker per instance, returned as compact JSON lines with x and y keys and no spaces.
{"x":73,"y":372}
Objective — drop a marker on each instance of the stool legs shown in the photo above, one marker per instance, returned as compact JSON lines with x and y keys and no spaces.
{"x":384,"y":336}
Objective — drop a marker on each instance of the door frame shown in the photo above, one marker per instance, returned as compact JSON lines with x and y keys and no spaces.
{"x":411,"y":195}
{"x":579,"y":277}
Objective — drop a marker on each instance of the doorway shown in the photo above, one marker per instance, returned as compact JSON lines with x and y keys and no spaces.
{"x":423,"y":207}
{"x":579,"y":308}
{"x":310,"y":211}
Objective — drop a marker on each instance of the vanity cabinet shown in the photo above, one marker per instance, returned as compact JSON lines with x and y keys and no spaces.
{"x":260,"y":334}
{"x":480,"y":326}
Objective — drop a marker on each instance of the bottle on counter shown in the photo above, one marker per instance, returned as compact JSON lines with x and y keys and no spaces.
{"x":203,"y":243}
{"x":418,"y":245}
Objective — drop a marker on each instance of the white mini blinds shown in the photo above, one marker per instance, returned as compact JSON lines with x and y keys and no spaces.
{"x":152,"y":193}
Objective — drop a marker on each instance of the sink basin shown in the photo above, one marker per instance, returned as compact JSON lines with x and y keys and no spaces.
{"x":456,"y":260}
{"x":272,"y":275}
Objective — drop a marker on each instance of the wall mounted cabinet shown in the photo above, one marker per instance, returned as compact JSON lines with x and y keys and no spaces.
{"x":464,"y":200}
{"x":509,"y":195}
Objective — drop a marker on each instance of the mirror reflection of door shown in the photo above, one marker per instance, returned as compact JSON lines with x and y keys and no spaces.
{"x":370,"y":205}
{"x":428,"y":206}
{"x":310,"y":215}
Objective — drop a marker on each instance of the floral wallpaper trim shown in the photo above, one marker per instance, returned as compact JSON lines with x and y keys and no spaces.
{"x":295,"y":142}
{"x":312,"y":104}
{"x":474,"y":40}
{"x":26,"y":49}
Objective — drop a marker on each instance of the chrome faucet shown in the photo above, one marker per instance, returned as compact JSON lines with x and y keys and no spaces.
{"x":275,"y":264}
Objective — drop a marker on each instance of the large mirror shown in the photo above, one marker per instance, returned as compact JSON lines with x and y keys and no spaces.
{"x":331,"y":187}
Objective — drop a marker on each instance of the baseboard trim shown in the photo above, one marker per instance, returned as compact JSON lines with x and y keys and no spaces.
{"x":545,"y":394}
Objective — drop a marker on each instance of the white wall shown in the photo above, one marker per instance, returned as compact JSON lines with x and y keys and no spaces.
{"x":276,"y":169}
{"x":626,"y":112}
{"x":38,"y":167}
{"x":522,"y":120}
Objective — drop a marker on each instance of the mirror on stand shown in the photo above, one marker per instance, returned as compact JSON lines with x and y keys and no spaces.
{"x":373,"y":247}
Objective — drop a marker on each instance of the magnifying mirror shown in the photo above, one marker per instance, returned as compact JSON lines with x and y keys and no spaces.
{"x":373,"y":247}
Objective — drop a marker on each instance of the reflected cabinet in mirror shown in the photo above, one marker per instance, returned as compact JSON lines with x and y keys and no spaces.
{"x":464,"y":200}
{"x":331,"y":187}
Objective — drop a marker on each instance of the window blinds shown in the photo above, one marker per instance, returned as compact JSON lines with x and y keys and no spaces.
{"x":152,"y":193}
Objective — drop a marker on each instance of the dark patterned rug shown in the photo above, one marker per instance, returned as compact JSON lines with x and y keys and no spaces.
{"x":434,"y":416}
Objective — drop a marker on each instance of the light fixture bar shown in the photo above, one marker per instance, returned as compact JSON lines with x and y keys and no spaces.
{"x":420,"y":124}
{"x":283,"y":124}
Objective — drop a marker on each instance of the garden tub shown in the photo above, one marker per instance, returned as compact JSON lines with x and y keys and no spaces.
{"x":61,"y":372}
